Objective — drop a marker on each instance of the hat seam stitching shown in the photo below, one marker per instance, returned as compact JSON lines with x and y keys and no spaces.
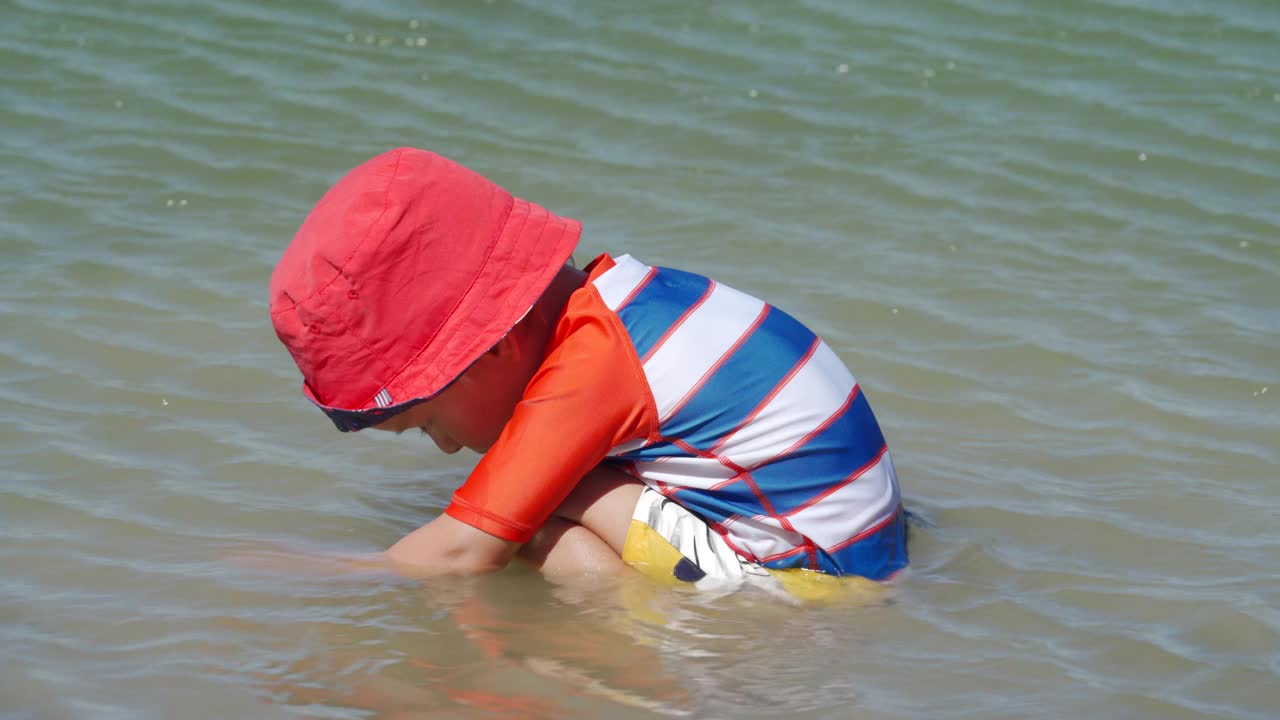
{"x":369,"y":348}
{"x":524,"y":221}
{"x":493,"y":242}
{"x":339,"y":270}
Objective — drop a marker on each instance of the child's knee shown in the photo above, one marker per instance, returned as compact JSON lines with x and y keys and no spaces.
{"x":563,"y":549}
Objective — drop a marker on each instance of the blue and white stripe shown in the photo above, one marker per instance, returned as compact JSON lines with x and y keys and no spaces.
{"x":764,"y":431}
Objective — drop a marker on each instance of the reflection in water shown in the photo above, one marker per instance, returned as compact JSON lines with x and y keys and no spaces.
{"x":622,"y":647}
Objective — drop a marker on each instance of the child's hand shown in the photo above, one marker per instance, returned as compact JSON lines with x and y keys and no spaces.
{"x":283,"y":559}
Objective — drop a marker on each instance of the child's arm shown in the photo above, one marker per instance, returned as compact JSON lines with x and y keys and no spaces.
{"x":602,"y":503}
{"x":446,"y":546}
{"x":561,"y":549}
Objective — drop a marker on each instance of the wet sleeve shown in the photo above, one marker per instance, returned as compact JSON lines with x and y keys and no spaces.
{"x":589,"y":396}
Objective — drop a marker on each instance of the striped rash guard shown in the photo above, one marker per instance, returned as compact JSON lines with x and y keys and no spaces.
{"x":719,"y":401}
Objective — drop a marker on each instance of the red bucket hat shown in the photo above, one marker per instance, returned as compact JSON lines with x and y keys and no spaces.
{"x":403,"y":275}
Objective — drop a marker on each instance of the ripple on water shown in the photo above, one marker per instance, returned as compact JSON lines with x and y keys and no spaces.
{"x":1042,"y":235}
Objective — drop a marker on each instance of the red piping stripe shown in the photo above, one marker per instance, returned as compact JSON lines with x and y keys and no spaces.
{"x":767,"y":398}
{"x":812,"y":433}
{"x":868,"y":532}
{"x":711,"y":286}
{"x":636,"y":290}
{"x":720,"y":363}
{"x":852,"y":478}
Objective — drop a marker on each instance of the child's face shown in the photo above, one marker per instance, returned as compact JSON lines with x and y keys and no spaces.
{"x":472,"y":411}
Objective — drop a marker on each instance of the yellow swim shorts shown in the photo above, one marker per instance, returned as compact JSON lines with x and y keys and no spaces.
{"x":673,"y":546}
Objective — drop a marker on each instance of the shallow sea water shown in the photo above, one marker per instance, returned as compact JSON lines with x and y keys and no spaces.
{"x":1045,"y":236}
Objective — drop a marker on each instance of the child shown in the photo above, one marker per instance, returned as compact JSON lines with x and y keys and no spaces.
{"x":622,"y":410}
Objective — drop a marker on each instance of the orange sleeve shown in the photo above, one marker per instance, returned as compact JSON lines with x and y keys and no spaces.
{"x":588,"y":396}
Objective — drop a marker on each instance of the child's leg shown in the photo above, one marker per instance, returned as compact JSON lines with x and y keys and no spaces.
{"x":604,"y":502}
{"x":562,"y":549}
{"x":589,"y":528}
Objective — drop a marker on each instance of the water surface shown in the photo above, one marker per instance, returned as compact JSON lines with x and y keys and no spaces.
{"x":1045,"y":236}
